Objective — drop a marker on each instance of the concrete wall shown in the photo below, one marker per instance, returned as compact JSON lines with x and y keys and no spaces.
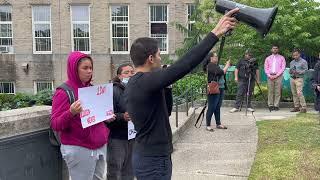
{"x":25,"y":120}
{"x":25,"y":150}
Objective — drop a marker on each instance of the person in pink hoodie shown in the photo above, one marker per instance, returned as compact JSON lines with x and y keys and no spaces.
{"x":83,"y":149}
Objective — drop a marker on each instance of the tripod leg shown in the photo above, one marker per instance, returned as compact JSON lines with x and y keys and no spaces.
{"x":248,"y":93}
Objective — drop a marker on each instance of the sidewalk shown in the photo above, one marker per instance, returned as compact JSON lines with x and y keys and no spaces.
{"x":222,"y":154}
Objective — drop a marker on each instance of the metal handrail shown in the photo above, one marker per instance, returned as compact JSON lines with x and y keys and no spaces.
{"x":184,"y":95}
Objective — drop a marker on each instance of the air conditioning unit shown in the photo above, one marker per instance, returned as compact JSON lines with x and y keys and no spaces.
{"x":4,"y":49}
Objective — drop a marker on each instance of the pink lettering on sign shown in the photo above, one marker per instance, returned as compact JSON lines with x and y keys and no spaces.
{"x":109,"y":113}
{"x":91,"y":119}
{"x":85,"y":113}
{"x":101,"y":90}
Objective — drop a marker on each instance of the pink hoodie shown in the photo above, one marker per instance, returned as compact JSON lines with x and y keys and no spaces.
{"x":69,"y":126}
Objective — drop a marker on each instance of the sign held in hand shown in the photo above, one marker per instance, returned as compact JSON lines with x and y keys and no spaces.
{"x":97,"y":104}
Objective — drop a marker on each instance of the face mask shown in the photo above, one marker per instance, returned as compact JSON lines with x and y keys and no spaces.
{"x":125,"y":80}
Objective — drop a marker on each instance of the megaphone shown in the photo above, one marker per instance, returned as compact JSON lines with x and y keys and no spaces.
{"x":259,"y":18}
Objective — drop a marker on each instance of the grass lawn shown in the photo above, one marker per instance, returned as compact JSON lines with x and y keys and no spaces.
{"x":288,"y":149}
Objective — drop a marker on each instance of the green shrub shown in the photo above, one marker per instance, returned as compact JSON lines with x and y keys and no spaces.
{"x":261,"y":95}
{"x":6,"y":101}
{"x":197,"y":81}
{"x":21,"y":100}
{"x":286,"y":95}
{"x":44,"y":98}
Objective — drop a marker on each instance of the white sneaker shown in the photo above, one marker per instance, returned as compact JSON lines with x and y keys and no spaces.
{"x":209,"y":129}
{"x":250,"y":109}
{"x":234,"y":110}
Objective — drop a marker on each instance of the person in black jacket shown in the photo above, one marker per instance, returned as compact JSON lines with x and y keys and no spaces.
{"x":315,"y":82}
{"x":119,"y":154}
{"x":215,"y":73}
{"x":146,"y":102}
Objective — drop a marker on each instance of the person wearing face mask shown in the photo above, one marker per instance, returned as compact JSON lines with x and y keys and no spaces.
{"x":119,"y":153}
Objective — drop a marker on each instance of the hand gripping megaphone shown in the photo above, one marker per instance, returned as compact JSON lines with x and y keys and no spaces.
{"x":259,"y":18}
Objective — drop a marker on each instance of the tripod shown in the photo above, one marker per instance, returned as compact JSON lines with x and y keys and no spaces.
{"x":248,"y":93}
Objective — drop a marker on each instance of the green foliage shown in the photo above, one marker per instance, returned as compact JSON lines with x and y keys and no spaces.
{"x":44,"y":97}
{"x":21,"y":100}
{"x":261,"y":95}
{"x":296,"y":25}
{"x":286,"y":95}
{"x":197,"y":81}
{"x":165,"y":59}
{"x":5,"y":101}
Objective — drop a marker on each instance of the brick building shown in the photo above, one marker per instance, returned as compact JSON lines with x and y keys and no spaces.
{"x":36,"y":36}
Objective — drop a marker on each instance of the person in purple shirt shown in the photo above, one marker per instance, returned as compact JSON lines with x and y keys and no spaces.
{"x":274,"y":67}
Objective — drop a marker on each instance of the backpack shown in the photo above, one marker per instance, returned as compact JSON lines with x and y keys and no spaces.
{"x":54,"y":136}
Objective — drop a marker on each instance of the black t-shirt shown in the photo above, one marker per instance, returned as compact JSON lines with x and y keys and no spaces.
{"x":146,"y":102}
{"x":246,"y":67}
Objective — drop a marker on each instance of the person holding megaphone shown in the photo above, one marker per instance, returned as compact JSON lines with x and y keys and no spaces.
{"x":146,"y":102}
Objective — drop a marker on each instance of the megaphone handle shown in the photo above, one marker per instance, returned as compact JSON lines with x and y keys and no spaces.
{"x":228,"y":33}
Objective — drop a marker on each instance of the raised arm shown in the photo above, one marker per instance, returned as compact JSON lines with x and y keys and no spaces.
{"x":160,"y":79}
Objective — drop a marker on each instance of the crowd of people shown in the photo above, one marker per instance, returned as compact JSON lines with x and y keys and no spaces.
{"x":247,"y":75}
{"x":141,"y":100}
{"x":142,"y":94}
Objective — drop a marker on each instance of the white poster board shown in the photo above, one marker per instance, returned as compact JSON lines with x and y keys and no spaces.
{"x":97,"y":104}
{"x":131,"y":131}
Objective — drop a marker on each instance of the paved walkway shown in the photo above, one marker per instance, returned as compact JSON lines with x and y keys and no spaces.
{"x":222,"y":154}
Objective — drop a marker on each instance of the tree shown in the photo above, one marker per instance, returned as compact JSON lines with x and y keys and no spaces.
{"x":296,"y":25}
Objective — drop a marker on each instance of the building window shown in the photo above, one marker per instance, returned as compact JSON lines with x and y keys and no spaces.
{"x":7,"y":88}
{"x":80,"y":22}
{"x":120,"y":29}
{"x":42,"y":85}
{"x":41,"y":25}
{"x":6,"y":29}
{"x":159,"y":25}
{"x":191,"y":19}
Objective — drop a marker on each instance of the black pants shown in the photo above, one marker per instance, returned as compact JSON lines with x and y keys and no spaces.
{"x":152,"y":167}
{"x":119,"y":159}
{"x":242,"y":93}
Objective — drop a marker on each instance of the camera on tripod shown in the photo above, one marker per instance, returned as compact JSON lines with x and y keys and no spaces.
{"x":252,"y":62}
{"x":251,"y":65}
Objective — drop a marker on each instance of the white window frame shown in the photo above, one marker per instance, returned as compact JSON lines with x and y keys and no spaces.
{"x":119,"y":22}
{"x":189,"y":22}
{"x":81,"y":22}
{"x":34,"y":35}
{"x":9,"y":22}
{"x":14,"y":86}
{"x":35,"y":87}
{"x":167,"y":22}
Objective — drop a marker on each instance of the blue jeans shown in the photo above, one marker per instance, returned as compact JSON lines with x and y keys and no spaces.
{"x":214,"y":105}
{"x":152,"y":167}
